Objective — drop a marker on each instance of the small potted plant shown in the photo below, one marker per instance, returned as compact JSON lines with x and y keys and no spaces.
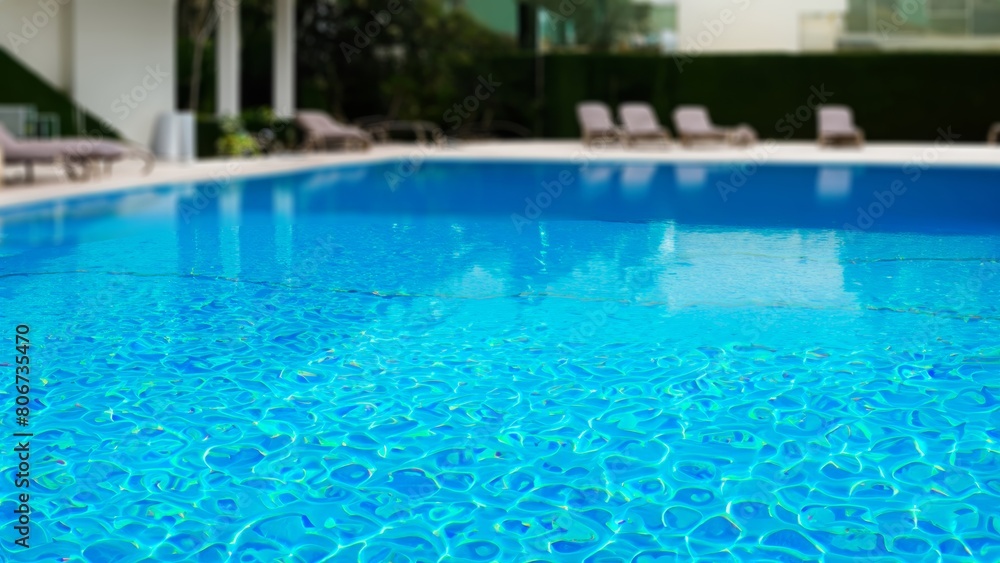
{"x":235,"y":140}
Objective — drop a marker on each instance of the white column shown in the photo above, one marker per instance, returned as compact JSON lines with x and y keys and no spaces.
{"x":284,"y":58}
{"x":227,"y":58}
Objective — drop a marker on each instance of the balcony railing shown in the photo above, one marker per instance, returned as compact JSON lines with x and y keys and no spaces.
{"x":956,"y":18}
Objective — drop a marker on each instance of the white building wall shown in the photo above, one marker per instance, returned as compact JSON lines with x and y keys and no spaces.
{"x":116,"y":58}
{"x":731,"y":26}
{"x":820,"y":32}
{"x":38,"y":34}
{"x":124,"y":62}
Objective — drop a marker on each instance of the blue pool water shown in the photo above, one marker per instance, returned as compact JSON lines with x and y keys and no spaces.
{"x":651,"y":364}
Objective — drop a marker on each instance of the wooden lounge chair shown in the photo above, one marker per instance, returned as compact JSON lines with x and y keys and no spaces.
{"x":384,"y":129}
{"x":80,"y":157}
{"x":993,"y":137}
{"x":694,"y":124}
{"x":322,"y":132}
{"x":835,"y":125}
{"x":639,"y":122}
{"x":595,"y":123}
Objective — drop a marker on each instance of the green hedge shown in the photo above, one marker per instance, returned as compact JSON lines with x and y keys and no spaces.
{"x":22,"y":86}
{"x":894,"y":96}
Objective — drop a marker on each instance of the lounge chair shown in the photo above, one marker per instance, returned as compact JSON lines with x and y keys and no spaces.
{"x":595,"y":122}
{"x":80,"y":157}
{"x":694,"y":124}
{"x":639,"y":122}
{"x":424,"y":132}
{"x":835,"y":125}
{"x":321,"y":131}
{"x":993,"y":137}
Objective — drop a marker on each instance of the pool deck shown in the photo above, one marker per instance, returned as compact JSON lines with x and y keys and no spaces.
{"x":51,"y":184}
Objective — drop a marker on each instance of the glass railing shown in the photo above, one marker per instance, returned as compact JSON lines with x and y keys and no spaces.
{"x":963,"y":18}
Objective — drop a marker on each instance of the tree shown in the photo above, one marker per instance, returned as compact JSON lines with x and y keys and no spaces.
{"x":424,"y":57}
{"x":196,"y":21}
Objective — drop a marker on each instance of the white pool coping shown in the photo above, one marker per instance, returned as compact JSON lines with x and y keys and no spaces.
{"x":51,"y":184}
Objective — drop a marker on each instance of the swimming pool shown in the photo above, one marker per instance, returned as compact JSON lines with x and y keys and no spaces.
{"x":515,"y":361}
